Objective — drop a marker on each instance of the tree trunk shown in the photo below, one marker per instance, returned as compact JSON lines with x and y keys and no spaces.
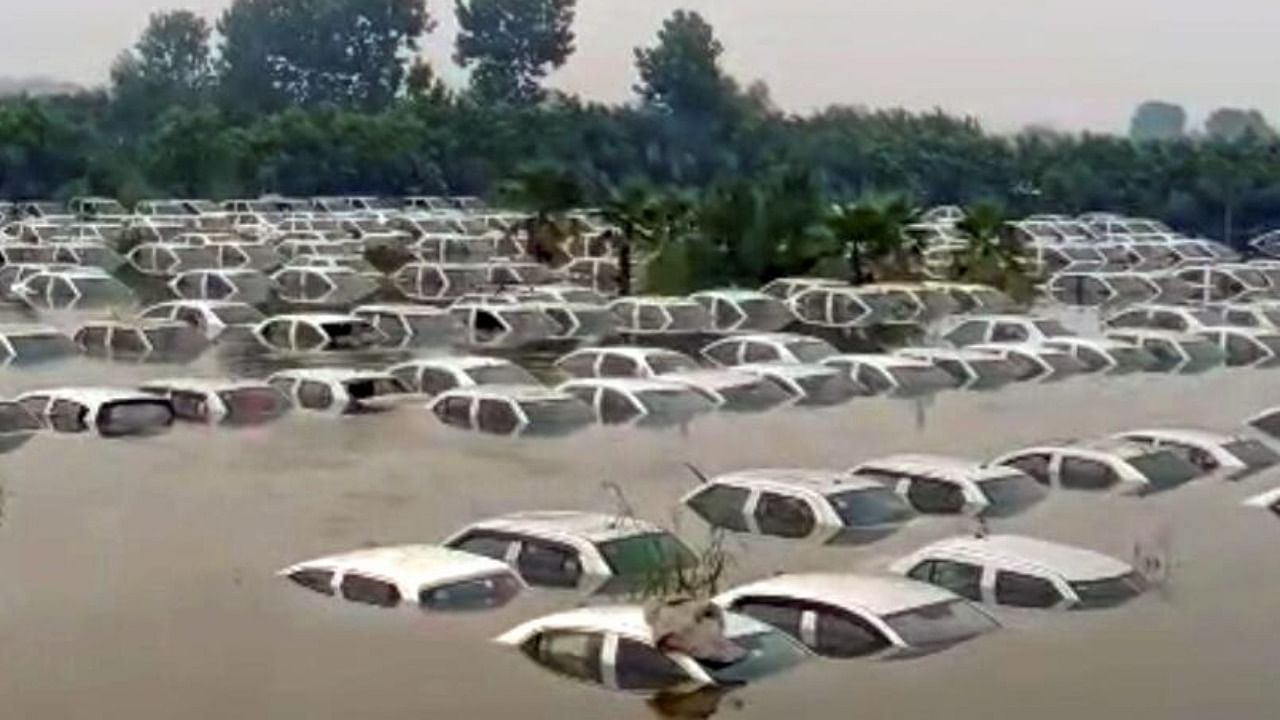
{"x":624,"y":267}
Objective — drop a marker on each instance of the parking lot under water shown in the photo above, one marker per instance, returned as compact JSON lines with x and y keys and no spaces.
{"x":137,"y":577}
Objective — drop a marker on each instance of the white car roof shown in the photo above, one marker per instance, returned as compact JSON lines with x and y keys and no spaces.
{"x":787,"y":370}
{"x":330,"y":374}
{"x":881,"y":360}
{"x":660,"y":300}
{"x":90,"y":395}
{"x":568,"y":524}
{"x":318,"y":318}
{"x":410,"y":565}
{"x":518,"y":393}
{"x":873,"y":594}
{"x":18,"y":330}
{"x":1103,"y":343}
{"x":1189,"y":436}
{"x":401,"y":309}
{"x":937,"y":466}
{"x":1265,"y":500}
{"x":1072,"y":563}
{"x":629,"y":351}
{"x":1003,"y":317}
{"x":204,"y":385}
{"x":713,"y":379}
{"x":733,"y":294}
{"x":1003,"y":349}
{"x":199,"y":304}
{"x":460,"y":363}
{"x":627,"y":385}
{"x":963,"y":354}
{"x":1150,"y":333}
{"x":781,"y":338}
{"x":625,"y":620}
{"x":821,"y":481}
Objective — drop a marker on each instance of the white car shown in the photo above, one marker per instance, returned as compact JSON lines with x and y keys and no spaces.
{"x":969,"y":369}
{"x":980,"y":329}
{"x":807,"y":385}
{"x":654,"y":315}
{"x":1034,"y":362}
{"x":1023,"y":572}
{"x":892,"y":375}
{"x":435,"y":375}
{"x":510,"y":325}
{"x":231,"y":403}
{"x":971,"y":298}
{"x":841,"y":307}
{"x":109,"y":412}
{"x":1262,"y":314}
{"x":341,"y":391}
{"x":940,"y":485}
{"x":1246,"y":347}
{"x":1268,"y":501}
{"x":847,"y":616}
{"x":768,"y":348}
{"x":211,"y":317}
{"x":788,"y":287}
{"x":1174,"y":352}
{"x":1217,"y":283}
{"x":251,"y":287}
{"x":17,"y":426}
{"x":327,"y":287}
{"x":1104,"y":355}
{"x":425,"y":577}
{"x":592,"y":552}
{"x":825,"y":506}
{"x":159,"y":341}
{"x":407,"y":325}
{"x":22,"y":345}
{"x":317,"y":332}
{"x":1102,"y":466}
{"x":439,"y":282}
{"x":613,"y":647}
{"x":1180,"y":318}
{"x":744,"y":310}
{"x":512,"y":410}
{"x":1232,"y":456}
{"x":639,"y":402}
{"x":80,"y":289}
{"x":169,"y":259}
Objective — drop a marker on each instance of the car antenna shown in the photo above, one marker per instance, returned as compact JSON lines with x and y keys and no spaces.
{"x":702,"y":477}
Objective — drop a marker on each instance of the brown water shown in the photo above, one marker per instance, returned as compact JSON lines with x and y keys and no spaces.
{"x":136,"y":577}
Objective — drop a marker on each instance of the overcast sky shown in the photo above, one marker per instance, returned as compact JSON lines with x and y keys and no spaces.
{"x":1068,"y":63}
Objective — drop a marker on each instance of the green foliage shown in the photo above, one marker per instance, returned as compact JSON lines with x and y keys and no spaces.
{"x":1158,"y":121}
{"x":170,"y":66}
{"x":1232,"y":124}
{"x":681,"y":74}
{"x":992,"y":256}
{"x":511,"y":45}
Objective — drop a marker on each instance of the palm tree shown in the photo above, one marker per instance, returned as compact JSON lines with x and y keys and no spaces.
{"x":635,"y":212}
{"x":549,"y":192}
{"x":992,"y":257}
{"x":872,"y":231}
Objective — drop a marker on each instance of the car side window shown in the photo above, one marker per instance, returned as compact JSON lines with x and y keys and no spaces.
{"x":1241,"y":318}
{"x":722,"y":506}
{"x":1009,"y":332}
{"x":62,"y":293}
{"x":315,"y":395}
{"x":963,"y":579}
{"x":579,"y":366}
{"x":844,"y":635}
{"x":1243,"y":351}
{"x":284,"y":385}
{"x":783,"y":516}
{"x":760,"y":353}
{"x":548,"y":564}
{"x":618,"y":366}
{"x":1084,"y":474}
{"x":1092,"y":359}
{"x":727,"y":315}
{"x":455,"y":411}
{"x":497,"y":416}
{"x":725,"y":353}
{"x":571,"y":654}
{"x":640,"y":667}
{"x":91,"y":338}
{"x":1168,"y":321}
{"x":782,"y":615}
{"x":128,"y":340}
{"x":1018,"y":590}
{"x":308,"y":338}
{"x":369,"y":591}
{"x":276,"y":334}
{"x":969,"y":333}
{"x":1035,"y":465}
{"x":314,"y":579}
{"x":935,"y":496}
{"x":650,"y":317}
{"x":1130,"y":319}
{"x":616,"y":408}
{"x":483,"y":543}
{"x":68,"y":417}
{"x":955,"y":369}
{"x":875,"y":379}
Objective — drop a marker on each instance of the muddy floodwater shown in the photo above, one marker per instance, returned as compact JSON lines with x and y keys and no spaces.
{"x":136,"y":577}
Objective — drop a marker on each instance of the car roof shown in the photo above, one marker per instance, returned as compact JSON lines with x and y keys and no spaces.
{"x":1002,"y":349}
{"x":200,"y":304}
{"x":1072,"y":563}
{"x":458,"y":362}
{"x":1190,"y":436}
{"x":626,"y":620}
{"x":1096,"y":342}
{"x":1151,"y":333}
{"x":663,"y":300}
{"x":1004,"y":317}
{"x":964,"y":354}
{"x":733,"y":294}
{"x":629,"y":385}
{"x":631,"y":351}
{"x":875,"y":594}
{"x":30,"y":329}
{"x":822,"y":481}
{"x":881,"y":360}
{"x":317,"y":318}
{"x":331,"y":374}
{"x":774,"y":337}
{"x":788,"y":370}
{"x":1266,"y":499}
{"x":518,"y":393}
{"x":204,"y":385}
{"x":411,"y":565}
{"x":937,"y":466}
{"x":568,"y":524}
{"x":401,"y":309}
{"x":90,"y":395}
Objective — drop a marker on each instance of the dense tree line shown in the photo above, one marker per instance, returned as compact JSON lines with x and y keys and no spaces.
{"x":307,"y":97}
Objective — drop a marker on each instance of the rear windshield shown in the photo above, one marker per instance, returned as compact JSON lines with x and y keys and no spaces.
{"x":1108,"y":592}
{"x":482,"y":593}
{"x":943,"y":623}
{"x":674,"y":403}
{"x":760,"y":395}
{"x":501,"y":375}
{"x":811,"y":351}
{"x":557,"y":414}
{"x":250,"y":406}
{"x":646,"y":554}
{"x":1011,"y":493}
{"x":870,"y":506}
{"x":1164,"y":469}
{"x":134,"y":417}
{"x":1252,"y":453}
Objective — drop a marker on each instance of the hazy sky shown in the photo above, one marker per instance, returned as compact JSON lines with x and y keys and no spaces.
{"x":1069,"y":63}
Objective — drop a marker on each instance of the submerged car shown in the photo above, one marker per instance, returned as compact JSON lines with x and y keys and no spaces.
{"x":639,"y":402}
{"x":1034,"y":362}
{"x":341,"y":391}
{"x":1172,"y":351}
{"x":893,"y":375}
{"x":982,"y":329}
{"x":433,"y":376}
{"x":1180,"y":318}
{"x":1104,"y":355}
{"x":807,"y":385}
{"x":439,"y":282}
{"x":592,"y":552}
{"x":154,"y":341}
{"x":513,"y":410}
{"x":825,"y":506}
{"x":80,"y":289}
{"x":17,"y":426}
{"x":969,"y":369}
{"x":244,"y":286}
{"x":939,"y":485}
{"x":211,"y":318}
{"x":322,"y":287}
{"x":1023,"y":572}
{"x":1232,"y":456}
{"x":229,"y":403}
{"x":411,"y":325}
{"x":744,"y":310}
{"x":426,"y":577}
{"x":730,"y":390}
{"x":654,"y":315}
{"x":572,"y":645}
{"x":1267,"y":501}
{"x":768,"y":348}
{"x":23,"y":345}
{"x":1102,"y":466}
{"x":1246,"y":347}
{"x":317,"y":333}
{"x":508,"y":326}
{"x":109,"y":412}
{"x":845,"y":616}
{"x":169,"y":259}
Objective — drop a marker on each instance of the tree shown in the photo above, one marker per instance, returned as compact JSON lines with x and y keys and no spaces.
{"x":634,"y":211}
{"x":1155,"y":120}
{"x":550,"y":192}
{"x":170,"y":66}
{"x":872,"y":232}
{"x":681,"y":74}
{"x":1232,"y":124}
{"x":350,"y":53}
{"x":511,"y":45}
{"x":992,"y":257}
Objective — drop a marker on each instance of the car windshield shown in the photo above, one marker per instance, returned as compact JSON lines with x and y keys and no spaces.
{"x":647,"y":554}
{"x":921,"y":379}
{"x":251,"y":406}
{"x":15,"y":419}
{"x":481,"y":593}
{"x":133,"y":417}
{"x":1164,"y":469}
{"x":993,"y":370}
{"x":1133,"y":287}
{"x":768,"y":652}
{"x":1009,"y":494}
{"x":944,"y":623}
{"x":1254,"y":454}
{"x":1130,"y":358}
{"x":758,"y":395}
{"x":827,"y":387}
{"x":1202,"y":352}
{"x":557,"y":414}
{"x":1052,"y":328}
{"x":1107,"y":592}
{"x":675,"y":402}
{"x":239,"y":315}
{"x":870,"y":506}
{"x":527,"y":322}
{"x":38,"y":348}
{"x":505,"y":374}
{"x":665,"y":363}
{"x":1206,"y":316}
{"x":811,"y":351}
